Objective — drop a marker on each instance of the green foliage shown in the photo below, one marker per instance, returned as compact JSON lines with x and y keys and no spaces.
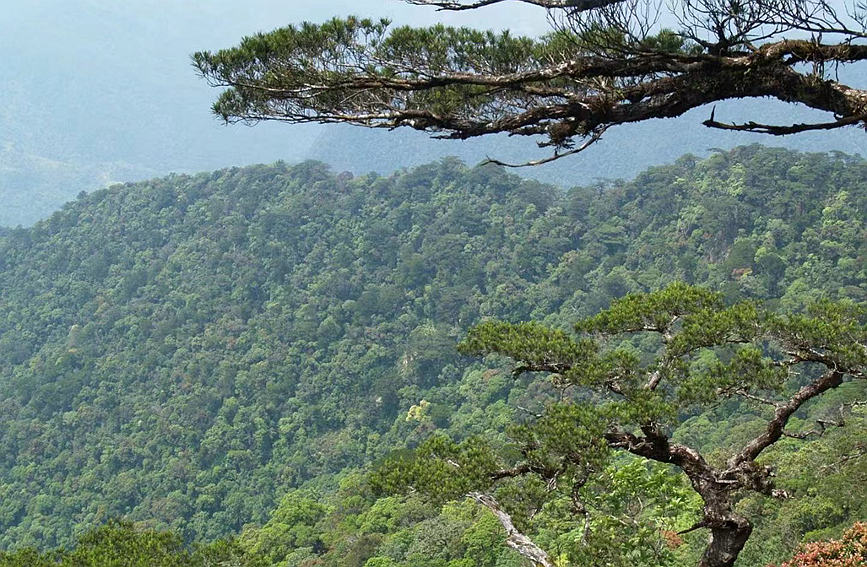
{"x":836,"y":330}
{"x":294,"y":524}
{"x":641,"y":311}
{"x":120,"y":544}
{"x":707,"y":351}
{"x":566,"y":435}
{"x":532,"y":343}
{"x":441,"y":468}
{"x":189,"y":350}
{"x":329,"y":52}
{"x":635,"y":504}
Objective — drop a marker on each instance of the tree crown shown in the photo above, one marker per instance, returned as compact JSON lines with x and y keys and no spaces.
{"x":617,"y":398}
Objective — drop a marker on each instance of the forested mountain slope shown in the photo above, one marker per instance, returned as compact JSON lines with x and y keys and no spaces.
{"x":186,"y":350}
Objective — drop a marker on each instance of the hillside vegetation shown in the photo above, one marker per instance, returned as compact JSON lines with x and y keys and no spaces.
{"x":204,"y":353}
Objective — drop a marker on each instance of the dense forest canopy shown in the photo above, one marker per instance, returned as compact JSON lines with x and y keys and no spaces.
{"x":210,"y":352}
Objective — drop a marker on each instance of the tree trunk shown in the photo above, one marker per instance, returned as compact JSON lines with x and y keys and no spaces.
{"x":725,"y":545}
{"x":729,"y":532}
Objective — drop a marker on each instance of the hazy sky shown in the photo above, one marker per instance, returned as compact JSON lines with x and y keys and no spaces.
{"x":100,"y":91}
{"x":111,"y":81}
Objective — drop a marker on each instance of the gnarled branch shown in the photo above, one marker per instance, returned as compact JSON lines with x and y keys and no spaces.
{"x":774,"y":430}
{"x":785,"y":130}
{"x":595,"y":137}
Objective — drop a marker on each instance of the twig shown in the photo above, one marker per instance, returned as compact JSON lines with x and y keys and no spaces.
{"x":595,"y":137}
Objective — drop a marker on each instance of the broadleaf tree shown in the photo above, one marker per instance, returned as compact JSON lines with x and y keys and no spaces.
{"x":604,"y":63}
{"x":616,"y":400}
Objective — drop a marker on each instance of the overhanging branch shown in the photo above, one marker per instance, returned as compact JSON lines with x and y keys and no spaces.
{"x":604,"y":66}
{"x":776,"y":426}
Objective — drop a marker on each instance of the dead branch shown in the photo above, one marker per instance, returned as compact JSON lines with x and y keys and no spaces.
{"x":514,"y":539}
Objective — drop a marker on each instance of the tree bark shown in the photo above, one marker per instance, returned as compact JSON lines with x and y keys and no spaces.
{"x":725,"y":545}
{"x":729,"y":531}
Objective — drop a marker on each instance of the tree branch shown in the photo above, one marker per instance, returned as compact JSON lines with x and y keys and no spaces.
{"x":759,"y":399}
{"x":774,"y":430}
{"x":846,"y":458}
{"x":825,"y":424}
{"x":595,"y":137}
{"x":576,"y":5}
{"x":552,"y":367}
{"x":514,"y":539}
{"x":519,"y":470}
{"x":657,"y":447}
{"x":602,"y":67}
{"x":823,"y":427}
{"x":785,"y":130}
{"x":697,"y":526}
